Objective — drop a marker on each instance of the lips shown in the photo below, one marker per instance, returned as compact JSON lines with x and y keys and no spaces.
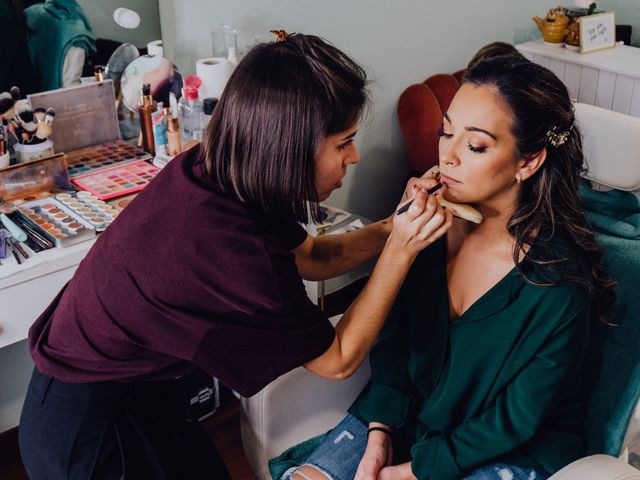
{"x":448,"y":180}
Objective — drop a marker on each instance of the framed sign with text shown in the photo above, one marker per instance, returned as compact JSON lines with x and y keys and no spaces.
{"x":597,"y":32}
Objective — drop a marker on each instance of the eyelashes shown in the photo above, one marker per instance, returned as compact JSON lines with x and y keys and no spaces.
{"x":442,"y":134}
{"x":474,"y":149}
{"x":344,"y":145}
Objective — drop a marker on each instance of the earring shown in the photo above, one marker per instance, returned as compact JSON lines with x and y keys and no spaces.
{"x":519,"y":177}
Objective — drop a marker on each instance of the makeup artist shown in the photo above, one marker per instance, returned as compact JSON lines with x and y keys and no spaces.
{"x":204,"y":269}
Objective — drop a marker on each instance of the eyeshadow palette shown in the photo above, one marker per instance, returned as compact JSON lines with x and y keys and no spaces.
{"x":89,"y":207}
{"x":99,"y":157}
{"x":60,"y":224}
{"x":117,"y":181}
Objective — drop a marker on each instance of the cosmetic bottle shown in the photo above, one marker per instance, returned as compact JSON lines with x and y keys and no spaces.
{"x":98,"y":73}
{"x":174,"y":144}
{"x":190,"y":110}
{"x":146,"y":125}
{"x":208,"y":104}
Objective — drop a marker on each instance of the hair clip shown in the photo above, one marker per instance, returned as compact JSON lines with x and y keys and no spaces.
{"x":558,"y":139}
{"x":281,"y":35}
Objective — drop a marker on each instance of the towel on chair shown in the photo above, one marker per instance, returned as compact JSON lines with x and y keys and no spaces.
{"x":614,"y":363}
{"x":55,"y":26}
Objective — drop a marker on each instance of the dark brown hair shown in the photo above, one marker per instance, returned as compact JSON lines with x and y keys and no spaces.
{"x":548,"y":202}
{"x":281,"y":102}
{"x":493,"y":49}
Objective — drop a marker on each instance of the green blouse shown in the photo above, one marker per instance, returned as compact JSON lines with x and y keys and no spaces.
{"x":500,"y":383}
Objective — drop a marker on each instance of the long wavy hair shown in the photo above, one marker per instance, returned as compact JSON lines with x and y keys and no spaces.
{"x":548,"y":202}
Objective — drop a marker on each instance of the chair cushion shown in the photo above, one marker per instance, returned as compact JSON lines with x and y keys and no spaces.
{"x":420,"y":118}
{"x":611,"y":143}
{"x":444,"y":87}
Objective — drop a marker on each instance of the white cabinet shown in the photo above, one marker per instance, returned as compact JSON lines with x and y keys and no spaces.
{"x":26,"y":293}
{"x":23,"y":297}
{"x":608,"y":78}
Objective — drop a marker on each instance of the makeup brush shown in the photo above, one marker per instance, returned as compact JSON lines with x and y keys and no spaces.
{"x":40,"y":114}
{"x":27,"y":120}
{"x":8,"y":101}
{"x":45,"y":117}
{"x":51,"y":113}
{"x":406,"y":206}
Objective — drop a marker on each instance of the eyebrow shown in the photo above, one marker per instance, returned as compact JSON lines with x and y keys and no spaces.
{"x":473,"y":129}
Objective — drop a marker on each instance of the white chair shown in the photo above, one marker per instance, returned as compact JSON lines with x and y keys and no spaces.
{"x":292,"y":409}
{"x":299,"y":405}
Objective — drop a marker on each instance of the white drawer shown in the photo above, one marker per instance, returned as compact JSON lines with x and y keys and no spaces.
{"x":24,"y":302}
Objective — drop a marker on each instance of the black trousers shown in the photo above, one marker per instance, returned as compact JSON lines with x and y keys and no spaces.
{"x":108,"y":430}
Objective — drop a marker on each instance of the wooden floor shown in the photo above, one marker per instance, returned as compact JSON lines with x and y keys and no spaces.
{"x":223,"y":427}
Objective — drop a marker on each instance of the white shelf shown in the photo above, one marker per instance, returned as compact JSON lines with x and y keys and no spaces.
{"x":622,"y":60}
{"x":608,"y":79}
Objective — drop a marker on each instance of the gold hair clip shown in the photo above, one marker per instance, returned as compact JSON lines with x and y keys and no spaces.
{"x":281,"y":35}
{"x":558,"y":139}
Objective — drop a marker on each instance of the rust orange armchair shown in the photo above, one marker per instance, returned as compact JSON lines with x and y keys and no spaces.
{"x":420,"y":110}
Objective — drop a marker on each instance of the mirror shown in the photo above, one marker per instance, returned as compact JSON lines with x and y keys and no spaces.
{"x":155,"y":70}
{"x":119,"y":61}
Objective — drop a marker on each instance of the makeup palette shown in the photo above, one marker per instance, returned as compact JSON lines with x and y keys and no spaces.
{"x":117,"y":181}
{"x":61,"y":224}
{"x":100,"y":157}
{"x":90,"y":208}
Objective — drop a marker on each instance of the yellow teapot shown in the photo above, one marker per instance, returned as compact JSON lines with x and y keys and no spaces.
{"x":554,"y":26}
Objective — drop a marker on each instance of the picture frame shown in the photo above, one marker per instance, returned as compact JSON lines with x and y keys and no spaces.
{"x":597,"y":32}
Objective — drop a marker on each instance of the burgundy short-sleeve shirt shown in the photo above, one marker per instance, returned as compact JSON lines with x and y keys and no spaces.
{"x":186,"y":275}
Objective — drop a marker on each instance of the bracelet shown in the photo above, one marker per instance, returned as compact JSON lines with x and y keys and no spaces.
{"x":378,"y":429}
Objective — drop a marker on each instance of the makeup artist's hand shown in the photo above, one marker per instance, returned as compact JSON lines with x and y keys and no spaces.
{"x":421,"y":225}
{"x":426,"y":181}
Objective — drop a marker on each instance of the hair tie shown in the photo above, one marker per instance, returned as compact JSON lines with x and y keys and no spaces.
{"x":558,"y":138}
{"x":281,"y":35}
{"x":379,"y":429}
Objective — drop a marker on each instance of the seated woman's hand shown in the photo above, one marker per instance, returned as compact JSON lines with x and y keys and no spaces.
{"x":397,"y":472}
{"x":378,"y":453}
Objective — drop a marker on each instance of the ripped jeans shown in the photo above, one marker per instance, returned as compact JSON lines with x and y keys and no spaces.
{"x":339,"y":454}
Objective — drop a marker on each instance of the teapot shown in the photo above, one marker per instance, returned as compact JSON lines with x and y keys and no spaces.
{"x":554,"y":26}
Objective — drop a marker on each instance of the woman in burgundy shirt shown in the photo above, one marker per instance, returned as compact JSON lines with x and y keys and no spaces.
{"x":204,"y":270}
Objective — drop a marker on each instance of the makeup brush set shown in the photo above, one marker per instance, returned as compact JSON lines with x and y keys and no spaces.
{"x":26,"y":126}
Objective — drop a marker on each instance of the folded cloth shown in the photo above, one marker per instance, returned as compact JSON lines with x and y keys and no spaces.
{"x":615,"y":359}
{"x":54,"y":27}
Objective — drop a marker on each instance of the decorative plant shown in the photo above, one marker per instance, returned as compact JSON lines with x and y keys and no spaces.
{"x":589,"y":4}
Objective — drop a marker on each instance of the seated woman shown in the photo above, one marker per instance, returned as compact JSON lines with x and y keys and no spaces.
{"x":475,"y":374}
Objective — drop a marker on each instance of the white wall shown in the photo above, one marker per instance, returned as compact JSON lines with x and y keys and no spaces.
{"x":100,"y":14}
{"x":627,"y":12}
{"x":398,"y":42}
